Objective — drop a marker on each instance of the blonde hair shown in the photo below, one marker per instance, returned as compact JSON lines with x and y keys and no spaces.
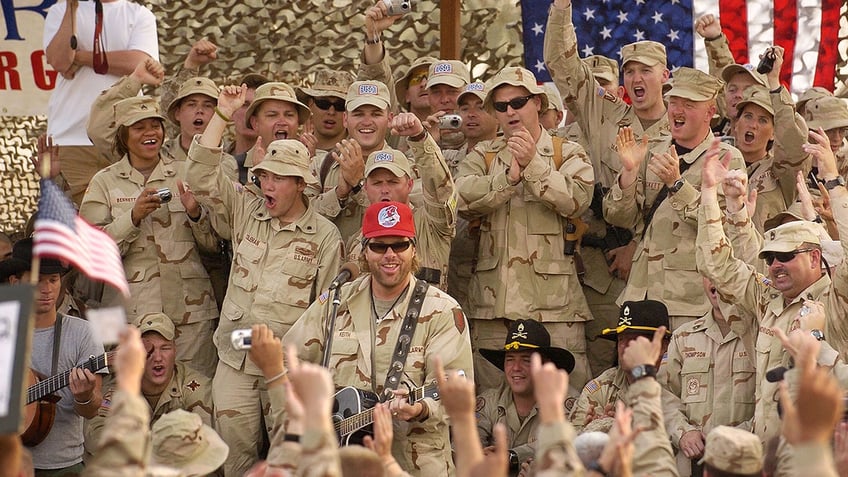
{"x":358,"y":461}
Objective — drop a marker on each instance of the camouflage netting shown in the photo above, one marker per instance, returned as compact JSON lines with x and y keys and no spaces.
{"x":286,"y":40}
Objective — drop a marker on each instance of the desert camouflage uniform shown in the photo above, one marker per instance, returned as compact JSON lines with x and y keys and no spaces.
{"x":741,"y":284}
{"x":276,"y":273}
{"x":463,"y":248}
{"x":556,"y":456}
{"x":664,"y":261}
{"x":606,"y":389}
{"x":188,"y":390}
{"x":362,"y":353}
{"x":522,"y":270}
{"x":652,"y":454}
{"x":124,"y":448}
{"x":710,"y":379}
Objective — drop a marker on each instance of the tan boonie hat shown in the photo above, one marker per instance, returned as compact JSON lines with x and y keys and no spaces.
{"x":755,"y":94}
{"x":393,"y":160}
{"x":450,"y":72}
{"x":181,"y":440}
{"x":694,"y":84}
{"x":515,"y":76}
{"x":812,"y":93}
{"x":402,"y":84}
{"x":733,"y":450}
{"x":476,"y":88}
{"x":646,"y":52}
{"x":132,"y":110}
{"x":732,"y":70}
{"x":196,"y":85}
{"x":328,"y":83}
{"x":827,"y":112}
{"x":789,"y":237}
{"x":158,"y":322}
{"x":278,"y":92}
{"x":603,"y":68}
{"x":287,"y":157}
{"x":360,"y":93}
{"x":554,"y":99}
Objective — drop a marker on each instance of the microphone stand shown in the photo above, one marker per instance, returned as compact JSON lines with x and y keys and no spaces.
{"x":331,"y":325}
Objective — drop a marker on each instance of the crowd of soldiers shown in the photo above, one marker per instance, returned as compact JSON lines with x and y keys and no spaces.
{"x":496,"y":276}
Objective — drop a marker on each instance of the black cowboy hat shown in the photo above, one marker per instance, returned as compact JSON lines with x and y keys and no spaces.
{"x":21,"y":261}
{"x":530,"y":335}
{"x":642,"y":317}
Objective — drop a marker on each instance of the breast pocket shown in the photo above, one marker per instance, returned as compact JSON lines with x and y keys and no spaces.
{"x":245,"y":270}
{"x":344,"y":358}
{"x":295,"y":286}
{"x":744,"y":380}
{"x":694,"y":379}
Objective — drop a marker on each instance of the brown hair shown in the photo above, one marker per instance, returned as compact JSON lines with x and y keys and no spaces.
{"x":358,"y":461}
{"x":119,"y":143}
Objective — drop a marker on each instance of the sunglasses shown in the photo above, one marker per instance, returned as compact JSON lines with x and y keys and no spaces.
{"x":514,"y":103}
{"x":396,"y":247}
{"x":417,"y":79}
{"x":784,"y":257}
{"x":325,"y":104}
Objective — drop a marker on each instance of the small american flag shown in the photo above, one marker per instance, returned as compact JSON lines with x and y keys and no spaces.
{"x":61,"y":234}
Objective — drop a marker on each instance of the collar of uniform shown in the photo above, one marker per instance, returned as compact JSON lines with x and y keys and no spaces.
{"x":307,"y":223}
{"x":173,"y":150}
{"x":619,"y":381}
{"x":813,"y":292}
{"x":363,"y":286}
{"x":545,"y":144}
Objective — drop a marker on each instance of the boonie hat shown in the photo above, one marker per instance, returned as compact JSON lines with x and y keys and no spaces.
{"x":196,"y":85}
{"x":360,"y":93}
{"x":129,"y":111}
{"x":694,"y":84}
{"x":515,"y":76}
{"x":755,"y":94}
{"x":450,"y":72}
{"x":530,"y":335}
{"x":603,"y":68}
{"x":287,"y":157}
{"x":733,"y":450}
{"x":733,"y":69}
{"x":826,"y":112}
{"x":643,"y":317}
{"x":158,"y":322}
{"x":388,"y":219}
{"x":328,"y":83}
{"x":393,"y":160}
{"x":646,"y":52}
{"x":402,"y":84}
{"x":182,"y":440}
{"x":554,"y":99}
{"x":810,"y":94}
{"x":279,"y":92}
{"x":789,"y":237}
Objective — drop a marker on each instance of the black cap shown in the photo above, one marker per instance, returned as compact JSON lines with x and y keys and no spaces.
{"x":643,"y":317}
{"x":530,"y":335}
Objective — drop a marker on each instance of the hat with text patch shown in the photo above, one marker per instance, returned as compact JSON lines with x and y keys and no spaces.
{"x":642,"y":317}
{"x":402,"y":84}
{"x":646,"y":52}
{"x":287,"y":157}
{"x":477,"y":88}
{"x":733,"y":450}
{"x":277,"y":92}
{"x":530,"y":335}
{"x":392,"y":159}
{"x":132,"y":110}
{"x":694,"y":85}
{"x":158,"y":322}
{"x":374,"y":93}
{"x":450,"y":72}
{"x":790,"y":237}
{"x":388,"y":219}
{"x":196,"y":85}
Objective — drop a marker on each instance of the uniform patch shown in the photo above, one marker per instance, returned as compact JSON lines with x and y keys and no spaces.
{"x":324,"y":296}
{"x":383,"y":156}
{"x":610,"y":97}
{"x":459,"y":320}
{"x":442,"y":68}
{"x":592,"y":386}
{"x":416,"y":349}
{"x":601,"y":91}
{"x":569,"y":405}
{"x":388,"y":217}
{"x":193,"y":385}
{"x":367,"y":88}
{"x":476,"y":86}
{"x":481,"y":403}
{"x":693,"y":385}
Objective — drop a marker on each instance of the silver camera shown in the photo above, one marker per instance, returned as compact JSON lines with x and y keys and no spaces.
{"x":164,"y":194}
{"x":242,"y":339}
{"x":450,"y":121}
{"x":730,"y":140}
{"x":398,"y":7}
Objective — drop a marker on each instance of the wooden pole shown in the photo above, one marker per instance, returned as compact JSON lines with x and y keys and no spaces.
{"x":449,"y":28}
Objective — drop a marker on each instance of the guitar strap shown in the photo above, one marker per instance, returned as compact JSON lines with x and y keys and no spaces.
{"x":407,"y":330}
{"x":57,"y":338}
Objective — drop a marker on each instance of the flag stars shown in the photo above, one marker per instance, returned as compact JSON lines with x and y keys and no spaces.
{"x":622,"y":16}
{"x":639,"y":35}
{"x":673,"y":35}
{"x":640,"y":2}
{"x":657,"y":17}
{"x":540,"y":66}
{"x":589,"y":14}
{"x":588,"y":51}
{"x":538,"y":29}
{"x":606,"y":33}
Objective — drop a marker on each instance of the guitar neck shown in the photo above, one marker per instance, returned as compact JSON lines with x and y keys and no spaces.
{"x":56,"y":382}
{"x":366,"y":418}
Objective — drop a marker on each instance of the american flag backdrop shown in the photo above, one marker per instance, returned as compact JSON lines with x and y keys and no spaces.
{"x":61,"y":234}
{"x":807,"y":29}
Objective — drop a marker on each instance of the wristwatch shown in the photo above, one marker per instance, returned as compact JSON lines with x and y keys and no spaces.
{"x":643,"y":371}
{"x":513,"y":460}
{"x":678,"y":184}
{"x":358,"y":187}
{"x":817,"y":334}
{"x":833,"y":183}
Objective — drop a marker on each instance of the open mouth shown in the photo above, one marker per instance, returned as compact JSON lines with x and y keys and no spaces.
{"x":270,"y":202}
{"x":638,"y":92}
{"x":281,"y":135}
{"x":749,"y":137}
{"x":149,"y":142}
{"x":158,"y":371}
{"x":679,"y":122}
{"x":198,"y":122}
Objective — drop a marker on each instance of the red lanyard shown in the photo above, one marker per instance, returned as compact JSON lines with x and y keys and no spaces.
{"x":101,"y":64}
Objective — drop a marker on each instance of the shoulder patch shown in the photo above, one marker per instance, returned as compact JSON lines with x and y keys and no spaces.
{"x":193,"y":385}
{"x":592,"y":386}
{"x":569,"y":404}
{"x":323,"y":297}
{"x":481,"y":403}
{"x":459,"y":320}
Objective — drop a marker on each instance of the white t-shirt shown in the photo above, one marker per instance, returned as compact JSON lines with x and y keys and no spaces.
{"x":127,"y":26}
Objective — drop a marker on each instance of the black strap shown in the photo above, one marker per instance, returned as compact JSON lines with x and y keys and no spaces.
{"x":326,"y":164}
{"x":57,"y":339}
{"x":649,"y":216}
{"x":407,"y":330}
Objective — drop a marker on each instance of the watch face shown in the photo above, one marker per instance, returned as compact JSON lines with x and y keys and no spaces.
{"x":817,"y":334}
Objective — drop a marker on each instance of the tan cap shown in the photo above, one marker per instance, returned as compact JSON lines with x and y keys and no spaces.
{"x":328,"y":83}
{"x":826,"y":112}
{"x":515,"y":76}
{"x":755,"y":94}
{"x":789,"y":236}
{"x":132,"y":110}
{"x":196,"y":85}
{"x":391,"y":159}
{"x":287,"y":157}
{"x":603,"y":68}
{"x":732,"y":70}
{"x":360,"y":93}
{"x":183,"y":441}
{"x":831,"y":249}
{"x":158,"y":322}
{"x":402,"y":84}
{"x":694,"y":84}
{"x":733,"y":450}
{"x":554,"y":99}
{"x":278,"y":92}
{"x":646,"y":52}
{"x":450,"y":72}
{"x":812,"y":93}
{"x":476,"y":88}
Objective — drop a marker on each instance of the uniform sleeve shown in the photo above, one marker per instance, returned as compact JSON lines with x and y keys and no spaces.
{"x":480,"y":191}
{"x":653,"y":454}
{"x":101,"y":126}
{"x":743,"y":236}
{"x":718,"y":55}
{"x":621,"y":206}
{"x":836,"y":303}
{"x":581,"y":406}
{"x":319,"y":455}
{"x":439,"y":190}
{"x":790,"y":134}
{"x":816,"y":459}
{"x":96,"y":208}
{"x":567,"y":190}
{"x":205,"y":238}
{"x":307,"y":333}
{"x":381,"y":72}
{"x":212,"y":187}
{"x":556,"y":456}
{"x":124,"y":446}
{"x":487,"y":405}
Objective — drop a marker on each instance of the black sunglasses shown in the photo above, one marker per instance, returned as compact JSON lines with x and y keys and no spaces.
{"x":325,"y":104}
{"x":784,"y":257}
{"x":396,"y":247}
{"x":515,"y":103}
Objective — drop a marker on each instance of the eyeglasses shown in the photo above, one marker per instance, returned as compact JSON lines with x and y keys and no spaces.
{"x":396,"y":247}
{"x":784,"y":257}
{"x":514,"y":103}
{"x":325,"y":104}
{"x":418,"y":79}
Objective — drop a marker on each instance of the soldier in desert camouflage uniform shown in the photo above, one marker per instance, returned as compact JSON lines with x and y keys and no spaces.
{"x":159,"y":241}
{"x":366,"y":332}
{"x":523,"y":192}
{"x":326,"y":99}
{"x":285,"y":253}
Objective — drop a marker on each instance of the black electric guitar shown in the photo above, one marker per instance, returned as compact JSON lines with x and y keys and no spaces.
{"x":353,"y":410}
{"x":40,"y":410}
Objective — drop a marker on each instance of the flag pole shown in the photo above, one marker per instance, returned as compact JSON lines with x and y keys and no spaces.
{"x":449,"y":20}
{"x":43,"y":171}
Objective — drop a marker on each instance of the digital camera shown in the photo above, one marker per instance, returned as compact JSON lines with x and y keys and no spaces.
{"x":398,"y":7}
{"x":450,"y":121}
{"x":241,"y":339}
{"x":164,"y":194}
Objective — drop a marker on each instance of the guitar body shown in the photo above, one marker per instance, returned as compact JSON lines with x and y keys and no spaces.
{"x":349,"y":402}
{"x":38,"y":415}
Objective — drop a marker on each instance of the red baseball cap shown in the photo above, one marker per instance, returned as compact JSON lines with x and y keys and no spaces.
{"x":388,"y":219}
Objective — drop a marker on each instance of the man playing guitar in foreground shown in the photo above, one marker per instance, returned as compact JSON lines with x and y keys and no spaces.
{"x":60,"y":453}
